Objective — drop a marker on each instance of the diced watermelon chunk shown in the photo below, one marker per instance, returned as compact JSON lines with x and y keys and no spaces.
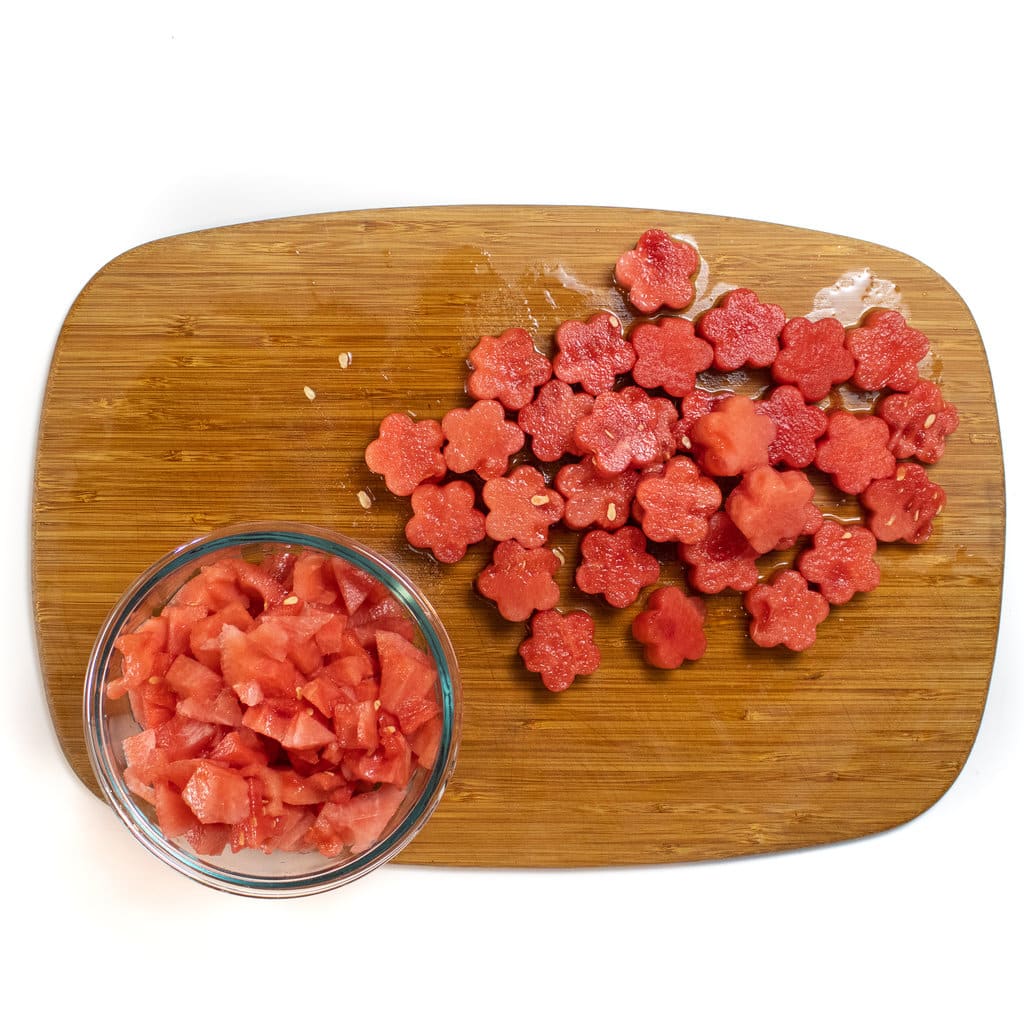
{"x":173,"y":814}
{"x":357,"y":823}
{"x":314,"y":579}
{"x":217,"y":795}
{"x":408,"y":681}
{"x":190,"y":678}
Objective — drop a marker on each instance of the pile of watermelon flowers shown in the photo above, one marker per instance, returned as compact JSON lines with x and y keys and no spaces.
{"x":628,"y":447}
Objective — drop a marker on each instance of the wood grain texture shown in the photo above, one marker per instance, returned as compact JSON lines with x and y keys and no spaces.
{"x":175,"y":404}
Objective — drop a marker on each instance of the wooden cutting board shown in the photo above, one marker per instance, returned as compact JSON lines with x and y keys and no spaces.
{"x":176,"y":403}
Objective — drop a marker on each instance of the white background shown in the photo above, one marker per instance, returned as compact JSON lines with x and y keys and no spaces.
{"x":127,"y":122}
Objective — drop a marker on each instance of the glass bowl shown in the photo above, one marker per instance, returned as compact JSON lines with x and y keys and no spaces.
{"x":110,"y":721}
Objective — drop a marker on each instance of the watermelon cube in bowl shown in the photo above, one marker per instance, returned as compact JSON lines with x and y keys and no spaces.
{"x":273,"y":709}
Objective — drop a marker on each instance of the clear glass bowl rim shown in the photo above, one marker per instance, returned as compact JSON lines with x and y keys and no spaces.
{"x":293,"y":534}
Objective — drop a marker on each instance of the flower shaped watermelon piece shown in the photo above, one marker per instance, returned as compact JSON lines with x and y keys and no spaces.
{"x":551,"y":418}
{"x":592,"y":354}
{"x":669,"y":355}
{"x":785,"y":612}
{"x":903,"y":506}
{"x":595,"y":500}
{"x":508,"y":368}
{"x":841,"y":561}
{"x":560,"y":648}
{"x":733,"y":438}
{"x":521,"y":507}
{"x":445,"y":520}
{"x":919,"y":422}
{"x":671,"y":628}
{"x":520,"y":580}
{"x":797,"y":426}
{"x":616,"y":565}
{"x":722,"y":559}
{"x":743,"y":330}
{"x":407,"y":453}
{"x":676,"y":502}
{"x":886,"y":351}
{"x":480,"y":439}
{"x":772,"y":508}
{"x":657,"y":272}
{"x":813,"y":356}
{"x":855,"y":450}
{"x":696,"y":404}
{"x":627,"y":429}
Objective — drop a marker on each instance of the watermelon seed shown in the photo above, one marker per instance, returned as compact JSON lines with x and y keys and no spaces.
{"x":929,"y":421}
{"x":309,"y":392}
{"x":364,"y":499}
{"x":539,"y":499}
{"x":290,"y":600}
{"x":610,"y":515}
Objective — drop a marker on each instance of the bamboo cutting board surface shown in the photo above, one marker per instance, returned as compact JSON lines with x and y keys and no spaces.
{"x":176,"y":404}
